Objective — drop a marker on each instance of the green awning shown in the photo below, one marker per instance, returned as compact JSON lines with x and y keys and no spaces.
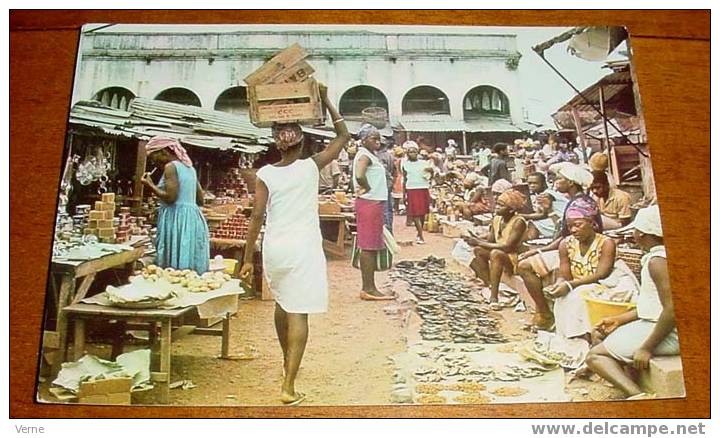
{"x":431,"y":123}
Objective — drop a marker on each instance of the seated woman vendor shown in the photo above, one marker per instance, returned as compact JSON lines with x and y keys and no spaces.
{"x":549,"y":206}
{"x":587,"y":263}
{"x":474,"y":199}
{"x":634,"y":337}
{"x":498,"y":254}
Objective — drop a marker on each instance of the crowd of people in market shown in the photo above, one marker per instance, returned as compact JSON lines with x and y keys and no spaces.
{"x":546,"y":220}
{"x":538,"y":218}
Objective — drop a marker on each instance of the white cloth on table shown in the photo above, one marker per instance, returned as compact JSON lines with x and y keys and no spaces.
{"x":183,"y":298}
{"x":293,"y":258}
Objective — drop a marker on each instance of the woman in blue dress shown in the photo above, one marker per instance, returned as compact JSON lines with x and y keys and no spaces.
{"x":183,"y":239}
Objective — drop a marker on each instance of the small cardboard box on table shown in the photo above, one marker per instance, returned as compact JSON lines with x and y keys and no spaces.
{"x":114,"y":391}
{"x":282,"y":91}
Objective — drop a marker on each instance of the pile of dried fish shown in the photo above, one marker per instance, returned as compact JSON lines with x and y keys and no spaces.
{"x":461,"y":370}
{"x":446,"y":304}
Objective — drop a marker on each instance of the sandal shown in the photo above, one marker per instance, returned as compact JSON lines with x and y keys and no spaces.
{"x":300,"y":398}
{"x":368,"y":297}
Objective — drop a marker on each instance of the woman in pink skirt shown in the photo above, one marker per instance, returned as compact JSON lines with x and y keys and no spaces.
{"x":417,"y":174}
{"x":372,"y":194}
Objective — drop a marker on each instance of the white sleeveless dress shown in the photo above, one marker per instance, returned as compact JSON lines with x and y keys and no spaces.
{"x":293,"y":260}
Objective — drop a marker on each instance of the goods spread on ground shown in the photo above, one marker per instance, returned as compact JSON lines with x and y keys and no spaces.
{"x":450,"y":306}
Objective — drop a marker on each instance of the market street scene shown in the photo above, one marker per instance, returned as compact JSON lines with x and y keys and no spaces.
{"x":333,"y":215}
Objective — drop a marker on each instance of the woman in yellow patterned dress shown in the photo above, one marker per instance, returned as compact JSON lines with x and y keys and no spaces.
{"x":587,"y":261}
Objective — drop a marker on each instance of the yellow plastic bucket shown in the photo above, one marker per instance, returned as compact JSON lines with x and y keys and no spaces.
{"x":230,"y":265}
{"x":599,"y":309}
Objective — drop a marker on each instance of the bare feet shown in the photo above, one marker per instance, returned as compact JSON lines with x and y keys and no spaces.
{"x":543,"y":321}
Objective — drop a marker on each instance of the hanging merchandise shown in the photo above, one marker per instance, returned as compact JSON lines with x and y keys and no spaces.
{"x":95,"y":167}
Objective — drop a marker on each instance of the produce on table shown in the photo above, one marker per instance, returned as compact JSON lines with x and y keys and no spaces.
{"x":187,"y":278}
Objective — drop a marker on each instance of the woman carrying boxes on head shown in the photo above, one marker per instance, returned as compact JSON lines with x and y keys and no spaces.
{"x":183,"y":239}
{"x":293,"y":259}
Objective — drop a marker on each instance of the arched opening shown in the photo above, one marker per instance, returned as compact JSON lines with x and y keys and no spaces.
{"x":356,"y":99}
{"x":425,"y":100}
{"x":233,"y":100}
{"x":485,"y":100}
{"x":115,"y":97}
{"x":179,"y":95}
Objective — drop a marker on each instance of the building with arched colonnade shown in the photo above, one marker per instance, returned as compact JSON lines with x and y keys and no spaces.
{"x":437,"y":84}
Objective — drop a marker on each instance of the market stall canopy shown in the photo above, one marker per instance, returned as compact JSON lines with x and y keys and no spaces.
{"x":430,"y":123}
{"x":191,"y":125}
{"x":628,"y":126}
{"x":617,"y":88}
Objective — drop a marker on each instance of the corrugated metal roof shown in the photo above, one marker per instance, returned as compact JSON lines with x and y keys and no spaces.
{"x":191,"y":125}
{"x":494,"y":124}
{"x":431,"y":123}
{"x":353,"y":127}
{"x":612,"y":85}
{"x":325,"y":133}
{"x":200,"y":119}
{"x":628,"y":126}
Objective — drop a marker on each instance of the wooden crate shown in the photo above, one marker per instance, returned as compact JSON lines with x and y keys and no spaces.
{"x":296,"y":102}
{"x":296,"y":73}
{"x":286,"y":66}
{"x":329,"y":208}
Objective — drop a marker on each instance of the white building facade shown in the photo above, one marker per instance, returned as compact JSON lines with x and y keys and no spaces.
{"x":452,"y":82}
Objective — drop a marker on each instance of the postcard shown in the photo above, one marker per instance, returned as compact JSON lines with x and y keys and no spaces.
{"x":356,"y":215}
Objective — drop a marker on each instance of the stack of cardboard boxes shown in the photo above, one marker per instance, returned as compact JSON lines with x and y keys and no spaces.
{"x":112,"y":391}
{"x":100,"y":221}
{"x":123,"y":232}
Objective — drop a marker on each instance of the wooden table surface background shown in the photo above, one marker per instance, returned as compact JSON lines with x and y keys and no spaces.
{"x":672,"y":56}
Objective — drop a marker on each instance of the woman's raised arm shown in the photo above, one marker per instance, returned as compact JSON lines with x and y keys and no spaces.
{"x":332,"y":151}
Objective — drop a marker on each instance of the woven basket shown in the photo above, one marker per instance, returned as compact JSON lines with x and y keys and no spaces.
{"x":631,"y":257}
{"x":376,"y":116}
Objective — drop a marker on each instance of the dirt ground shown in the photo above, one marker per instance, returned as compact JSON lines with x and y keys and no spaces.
{"x":347,"y":359}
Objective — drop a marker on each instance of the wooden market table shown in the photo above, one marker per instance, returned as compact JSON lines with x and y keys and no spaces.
{"x":335,"y":247}
{"x":69,"y":292}
{"x":149,"y":317}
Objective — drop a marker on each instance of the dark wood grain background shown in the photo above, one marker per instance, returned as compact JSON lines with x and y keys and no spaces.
{"x":672,"y":55}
